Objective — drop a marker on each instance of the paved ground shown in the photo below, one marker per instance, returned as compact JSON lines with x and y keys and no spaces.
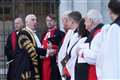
{"x":3,"y":68}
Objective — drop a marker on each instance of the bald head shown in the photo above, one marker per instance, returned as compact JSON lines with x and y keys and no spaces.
{"x":29,"y":17}
{"x":31,"y":21}
{"x":18,"y":23}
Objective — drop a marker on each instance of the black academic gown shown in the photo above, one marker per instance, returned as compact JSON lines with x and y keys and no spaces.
{"x":25,"y":62}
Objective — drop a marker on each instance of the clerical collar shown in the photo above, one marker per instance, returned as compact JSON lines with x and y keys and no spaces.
{"x":76,"y":30}
{"x":99,"y":26}
{"x":117,"y":21}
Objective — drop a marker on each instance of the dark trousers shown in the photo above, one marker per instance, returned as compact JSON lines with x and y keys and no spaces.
{"x":81,"y":71}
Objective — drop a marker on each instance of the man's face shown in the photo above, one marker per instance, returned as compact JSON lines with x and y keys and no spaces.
{"x":50,"y":22}
{"x":88,"y":23}
{"x":71,"y":23}
{"x":65,"y":21}
{"x":18,"y":24}
{"x":33,"y":22}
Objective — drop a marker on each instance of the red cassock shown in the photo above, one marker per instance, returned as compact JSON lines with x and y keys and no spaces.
{"x":49,"y":64}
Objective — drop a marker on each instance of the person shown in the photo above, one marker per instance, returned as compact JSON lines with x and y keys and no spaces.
{"x":105,"y":47}
{"x":27,"y":59}
{"x":93,"y":23}
{"x":81,"y":66}
{"x":67,"y":61}
{"x":65,"y":20}
{"x":11,"y":41}
{"x":11,"y":46}
{"x":51,"y":40}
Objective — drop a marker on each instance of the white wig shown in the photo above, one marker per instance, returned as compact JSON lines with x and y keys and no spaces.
{"x":28,"y":17}
{"x":95,"y":15}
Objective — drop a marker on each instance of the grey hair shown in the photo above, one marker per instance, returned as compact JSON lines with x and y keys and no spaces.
{"x":95,"y":15}
{"x":65,"y":14}
{"x":29,"y":16}
{"x":18,"y":18}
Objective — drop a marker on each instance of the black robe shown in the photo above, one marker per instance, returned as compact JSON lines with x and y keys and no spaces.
{"x":25,"y":62}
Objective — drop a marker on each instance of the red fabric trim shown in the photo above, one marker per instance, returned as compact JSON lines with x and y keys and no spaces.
{"x":65,"y":71}
{"x":13,"y":40}
{"x":97,"y":31}
{"x":92,"y":72}
{"x":92,"y":68}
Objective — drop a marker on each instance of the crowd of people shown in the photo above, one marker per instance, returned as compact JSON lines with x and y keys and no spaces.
{"x":88,"y":49}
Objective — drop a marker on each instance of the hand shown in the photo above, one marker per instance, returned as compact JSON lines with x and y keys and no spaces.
{"x":50,"y":52}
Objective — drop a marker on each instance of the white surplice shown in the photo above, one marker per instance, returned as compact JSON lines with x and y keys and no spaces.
{"x":72,"y":38}
{"x":72,"y":61}
{"x":105,"y":53}
{"x":63,"y":50}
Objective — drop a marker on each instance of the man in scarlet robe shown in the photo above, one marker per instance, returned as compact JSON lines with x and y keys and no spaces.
{"x":51,"y":42}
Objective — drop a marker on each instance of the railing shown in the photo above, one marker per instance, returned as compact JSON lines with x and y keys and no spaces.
{"x":9,"y":9}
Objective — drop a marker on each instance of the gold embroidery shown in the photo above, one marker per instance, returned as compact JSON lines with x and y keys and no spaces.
{"x":33,"y":39}
{"x":26,"y":75}
{"x":34,"y":58}
{"x":27,"y":47}
{"x":36,"y":70}
{"x":37,"y":77}
{"x":26,"y":43}
{"x":22,"y":76}
{"x":35,"y":63}
{"x":32,"y":54}
{"x":31,"y":49}
{"x":20,"y":39}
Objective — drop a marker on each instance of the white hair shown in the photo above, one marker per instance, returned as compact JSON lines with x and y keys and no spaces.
{"x":29,"y":16}
{"x":18,"y":19}
{"x":95,"y":15}
{"x":65,"y":14}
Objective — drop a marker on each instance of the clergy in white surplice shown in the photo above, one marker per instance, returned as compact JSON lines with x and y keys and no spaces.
{"x":67,"y":55}
{"x":105,"y":47}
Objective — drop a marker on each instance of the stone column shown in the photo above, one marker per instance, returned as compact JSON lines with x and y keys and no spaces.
{"x":81,"y":6}
{"x":76,"y":5}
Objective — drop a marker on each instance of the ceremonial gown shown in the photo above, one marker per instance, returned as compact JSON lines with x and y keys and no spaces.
{"x":50,"y":69}
{"x":25,"y":62}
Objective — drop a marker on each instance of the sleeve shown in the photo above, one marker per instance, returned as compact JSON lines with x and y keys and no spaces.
{"x":41,"y":52}
{"x":8,"y":49}
{"x":26,"y":43}
{"x":90,"y":54}
{"x":57,"y":39}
